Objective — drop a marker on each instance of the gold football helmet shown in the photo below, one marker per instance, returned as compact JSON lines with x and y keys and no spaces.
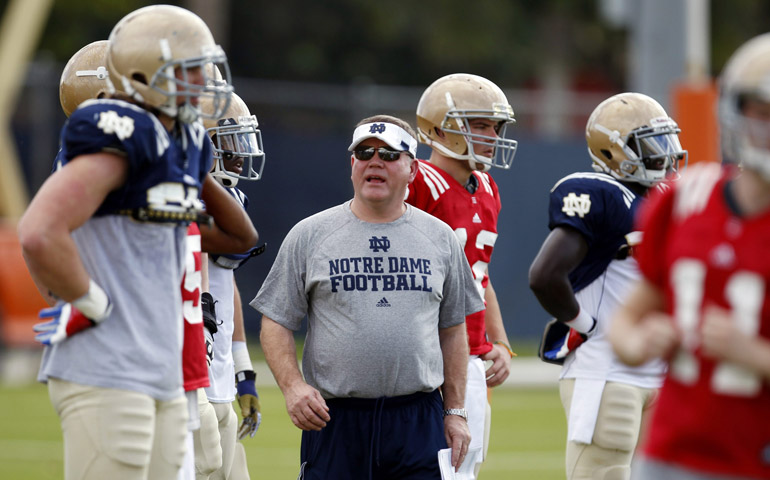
{"x":152,"y":46}
{"x":631,"y":137}
{"x":746,"y":77}
{"x":445,"y":109}
{"x":84,"y":77}
{"x":237,"y":140}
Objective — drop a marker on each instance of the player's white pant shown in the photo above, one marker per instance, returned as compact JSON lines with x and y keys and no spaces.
{"x":187,"y":472}
{"x":118,"y":434}
{"x":620,"y":419}
{"x":228,"y":430}
{"x":477,"y":405}
{"x":208,"y":450}
{"x":217,"y":438}
{"x":240,"y":470}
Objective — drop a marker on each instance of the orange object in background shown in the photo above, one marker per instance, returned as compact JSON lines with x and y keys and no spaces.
{"x":20,"y":300}
{"x":694,"y":107}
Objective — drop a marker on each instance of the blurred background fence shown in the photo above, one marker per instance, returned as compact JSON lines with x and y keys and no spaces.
{"x":311,"y":70}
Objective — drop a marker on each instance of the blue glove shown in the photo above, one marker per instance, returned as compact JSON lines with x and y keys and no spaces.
{"x":67,"y":319}
{"x":248,"y":399}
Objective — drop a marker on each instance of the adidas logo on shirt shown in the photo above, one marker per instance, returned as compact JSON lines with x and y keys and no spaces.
{"x":383,"y":302}
{"x":476,"y":218}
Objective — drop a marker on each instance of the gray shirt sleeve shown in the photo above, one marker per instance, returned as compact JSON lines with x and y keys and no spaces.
{"x":285,"y":282}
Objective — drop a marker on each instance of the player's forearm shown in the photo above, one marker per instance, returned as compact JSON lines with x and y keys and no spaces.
{"x":562,"y":251}
{"x":204,"y":272}
{"x":627,"y":333}
{"x":549,"y":281}
{"x":280,"y":353}
{"x":624,"y":337}
{"x":556,"y":297}
{"x":239,"y":330}
{"x":63,"y":204}
{"x":53,"y":261}
{"x":493,"y":317}
{"x":753,"y":355}
{"x":233,"y":231}
{"x":454,"y":350}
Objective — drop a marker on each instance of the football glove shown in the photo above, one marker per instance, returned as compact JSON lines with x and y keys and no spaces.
{"x":248,"y":399}
{"x":67,"y":319}
{"x":210,"y":324}
{"x":559,"y":340}
{"x":235,"y":261}
{"x":209,"y":340}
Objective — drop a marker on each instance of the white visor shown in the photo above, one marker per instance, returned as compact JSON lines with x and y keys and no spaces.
{"x":396,"y":137}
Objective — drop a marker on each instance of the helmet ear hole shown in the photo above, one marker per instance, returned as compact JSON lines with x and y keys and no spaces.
{"x":607,"y":154}
{"x":139,"y":77}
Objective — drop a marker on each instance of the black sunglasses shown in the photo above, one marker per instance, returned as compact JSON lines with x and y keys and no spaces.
{"x":385,"y":154}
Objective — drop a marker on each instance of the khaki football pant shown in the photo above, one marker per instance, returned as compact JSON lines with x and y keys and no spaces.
{"x":240,"y":470}
{"x":118,"y":434}
{"x":621,"y":416}
{"x":208,"y":450}
{"x":219,"y":456}
{"x":227,"y":422}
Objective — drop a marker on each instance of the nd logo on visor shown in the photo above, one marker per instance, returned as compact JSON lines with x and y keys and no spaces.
{"x":377,"y":128}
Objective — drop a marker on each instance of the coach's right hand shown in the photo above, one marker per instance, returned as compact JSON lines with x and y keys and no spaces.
{"x":306,"y":407}
{"x":458,"y":438}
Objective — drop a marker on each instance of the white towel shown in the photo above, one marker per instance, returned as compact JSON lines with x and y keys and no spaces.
{"x":466,"y":471}
{"x":584,"y":409}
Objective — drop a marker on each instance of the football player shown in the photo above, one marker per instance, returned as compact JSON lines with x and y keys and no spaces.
{"x":83,"y":78}
{"x":702,"y":302}
{"x":238,"y":155}
{"x":106,"y":234}
{"x":463,"y":118}
{"x":583,"y":270}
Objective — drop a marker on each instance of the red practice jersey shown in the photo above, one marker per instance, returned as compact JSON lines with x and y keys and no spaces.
{"x":711,"y":416}
{"x":194,"y":366}
{"x":473,"y":217}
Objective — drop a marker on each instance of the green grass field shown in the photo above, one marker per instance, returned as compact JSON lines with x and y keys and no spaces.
{"x":527,"y":439}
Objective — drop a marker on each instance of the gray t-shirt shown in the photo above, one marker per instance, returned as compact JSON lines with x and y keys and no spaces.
{"x":139,"y":346}
{"x":375,"y":295}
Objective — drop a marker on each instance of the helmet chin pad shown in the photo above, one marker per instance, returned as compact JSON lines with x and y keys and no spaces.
{"x":479,"y":166}
{"x":187,"y":113}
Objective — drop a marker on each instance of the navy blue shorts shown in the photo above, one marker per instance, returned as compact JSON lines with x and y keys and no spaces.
{"x":386,"y":438}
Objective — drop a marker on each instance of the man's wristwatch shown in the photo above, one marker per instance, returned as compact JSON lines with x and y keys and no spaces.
{"x":460,"y":412}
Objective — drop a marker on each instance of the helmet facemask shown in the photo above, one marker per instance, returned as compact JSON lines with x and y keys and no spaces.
{"x":746,"y":139}
{"x":237,"y":140}
{"x":457,"y":122}
{"x":215,"y":87}
{"x":652,"y":153}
